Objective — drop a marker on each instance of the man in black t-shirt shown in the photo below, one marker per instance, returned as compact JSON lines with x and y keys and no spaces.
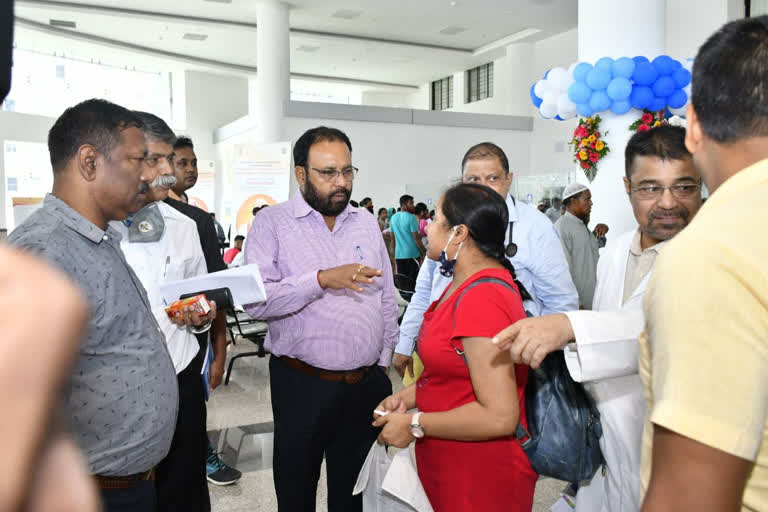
{"x":186,"y":176}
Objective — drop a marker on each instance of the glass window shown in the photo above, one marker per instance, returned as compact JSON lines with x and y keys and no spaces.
{"x":442,"y":93}
{"x":46,"y":85}
{"x":479,"y":84}
{"x":28,"y":175}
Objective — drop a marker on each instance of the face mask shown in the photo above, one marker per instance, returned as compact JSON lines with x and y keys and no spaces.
{"x":446,"y":266}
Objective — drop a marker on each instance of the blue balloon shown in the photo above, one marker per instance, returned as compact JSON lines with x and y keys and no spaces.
{"x":598,"y":79}
{"x":676,"y":64}
{"x":639,"y":60}
{"x":535,"y":99}
{"x":682,"y":77}
{"x":664,"y":86}
{"x":641,"y":96}
{"x":623,"y":67}
{"x":605,"y":63}
{"x":664,"y":65}
{"x":579,"y":92}
{"x":645,"y":74}
{"x":620,"y":107}
{"x":678,"y":99}
{"x":585,"y":110}
{"x":657,"y":104}
{"x":619,"y":89}
{"x":581,"y":70}
{"x":547,"y":74}
{"x":599,"y":101}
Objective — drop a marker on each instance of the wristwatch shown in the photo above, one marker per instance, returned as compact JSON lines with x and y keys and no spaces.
{"x":417,"y":430}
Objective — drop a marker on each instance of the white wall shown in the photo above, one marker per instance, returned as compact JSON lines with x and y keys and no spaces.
{"x":387,"y":99}
{"x":19,"y":127}
{"x":391,"y":156}
{"x":549,"y":152}
{"x":510,"y":85}
{"x":691,"y":22}
{"x":212,"y":101}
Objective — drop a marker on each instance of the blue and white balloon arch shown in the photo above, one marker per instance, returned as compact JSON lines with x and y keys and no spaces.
{"x":614,"y":85}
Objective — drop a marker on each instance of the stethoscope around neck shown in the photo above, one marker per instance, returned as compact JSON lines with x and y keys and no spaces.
{"x":511,"y":248}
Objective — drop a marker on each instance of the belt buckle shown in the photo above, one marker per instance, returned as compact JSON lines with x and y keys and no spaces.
{"x":353,"y":378}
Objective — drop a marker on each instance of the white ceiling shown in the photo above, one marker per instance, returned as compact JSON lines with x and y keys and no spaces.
{"x":415,"y":22}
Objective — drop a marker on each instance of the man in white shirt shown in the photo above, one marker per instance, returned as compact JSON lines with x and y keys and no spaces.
{"x":664,"y":190}
{"x":532,"y":245}
{"x":161,"y":244}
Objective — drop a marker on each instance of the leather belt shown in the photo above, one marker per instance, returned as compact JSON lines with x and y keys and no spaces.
{"x":124,"y":482}
{"x":346,"y":376}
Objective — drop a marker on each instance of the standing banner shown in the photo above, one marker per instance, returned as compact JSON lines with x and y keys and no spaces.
{"x":260,"y":176}
{"x":204,"y":191}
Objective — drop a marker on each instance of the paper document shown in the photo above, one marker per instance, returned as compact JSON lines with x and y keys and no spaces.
{"x":244,"y":282}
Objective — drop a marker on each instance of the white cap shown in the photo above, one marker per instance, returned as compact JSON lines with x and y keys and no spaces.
{"x":573,"y":189}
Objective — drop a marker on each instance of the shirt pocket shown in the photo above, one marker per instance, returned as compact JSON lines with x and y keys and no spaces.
{"x":174,"y":270}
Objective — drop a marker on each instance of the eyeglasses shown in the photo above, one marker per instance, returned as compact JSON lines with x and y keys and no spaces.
{"x":331,"y":174}
{"x":681,"y":191}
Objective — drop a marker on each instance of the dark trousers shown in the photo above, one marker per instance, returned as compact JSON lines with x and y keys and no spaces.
{"x":316,"y":418}
{"x":409,"y":268}
{"x":181,"y":477}
{"x":141,"y":496}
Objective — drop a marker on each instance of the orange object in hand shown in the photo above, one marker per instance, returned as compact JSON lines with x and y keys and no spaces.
{"x":198,"y":302}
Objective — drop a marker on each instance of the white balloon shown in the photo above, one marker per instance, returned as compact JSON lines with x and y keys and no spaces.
{"x":541,"y":88}
{"x":551,"y":97}
{"x":560,"y":79}
{"x":571,"y":68}
{"x":565,"y":107}
{"x":548,"y":110}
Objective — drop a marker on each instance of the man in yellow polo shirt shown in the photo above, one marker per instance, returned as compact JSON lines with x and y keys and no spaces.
{"x":704,"y":355}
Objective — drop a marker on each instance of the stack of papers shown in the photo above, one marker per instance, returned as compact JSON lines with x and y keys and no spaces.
{"x":244,"y":283}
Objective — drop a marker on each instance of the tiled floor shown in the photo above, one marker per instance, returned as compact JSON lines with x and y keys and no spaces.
{"x":240,"y":428}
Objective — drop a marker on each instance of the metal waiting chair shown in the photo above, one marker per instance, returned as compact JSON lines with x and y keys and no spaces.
{"x":241,"y":324}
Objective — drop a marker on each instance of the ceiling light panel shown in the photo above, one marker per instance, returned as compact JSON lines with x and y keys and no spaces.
{"x":195,"y":37}
{"x":453,"y":30}
{"x":62,"y":23}
{"x":347,"y":14}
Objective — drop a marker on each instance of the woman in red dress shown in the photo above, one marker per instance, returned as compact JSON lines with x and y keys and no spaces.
{"x":470,"y":397}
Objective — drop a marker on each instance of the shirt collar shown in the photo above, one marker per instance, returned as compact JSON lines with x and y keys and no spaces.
{"x":77,"y":222}
{"x":511,"y":208}
{"x":636,"y":249}
{"x":301,"y":208}
{"x":568,"y":214}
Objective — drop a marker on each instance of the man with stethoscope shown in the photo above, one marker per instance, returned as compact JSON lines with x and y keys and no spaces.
{"x":532,"y":245}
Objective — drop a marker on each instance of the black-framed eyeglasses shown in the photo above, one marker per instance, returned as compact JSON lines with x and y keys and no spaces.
{"x":680,"y":191}
{"x":330,"y":174}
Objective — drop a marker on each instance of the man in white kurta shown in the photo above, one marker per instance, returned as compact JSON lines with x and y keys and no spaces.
{"x":601,"y":345}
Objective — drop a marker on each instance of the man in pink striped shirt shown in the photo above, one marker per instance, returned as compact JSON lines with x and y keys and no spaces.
{"x":332,"y":324}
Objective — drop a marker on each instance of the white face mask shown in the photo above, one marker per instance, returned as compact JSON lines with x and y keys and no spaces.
{"x":446,"y":265}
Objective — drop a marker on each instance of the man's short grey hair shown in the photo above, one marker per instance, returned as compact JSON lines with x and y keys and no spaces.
{"x":156,"y":129}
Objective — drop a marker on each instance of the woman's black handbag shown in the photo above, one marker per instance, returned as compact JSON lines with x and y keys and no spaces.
{"x":562,"y":439}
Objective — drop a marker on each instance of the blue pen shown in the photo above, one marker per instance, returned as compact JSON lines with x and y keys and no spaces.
{"x":359,"y":252}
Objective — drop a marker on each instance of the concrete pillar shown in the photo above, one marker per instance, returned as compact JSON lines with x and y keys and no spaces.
{"x":619,"y":28}
{"x":271,"y":88}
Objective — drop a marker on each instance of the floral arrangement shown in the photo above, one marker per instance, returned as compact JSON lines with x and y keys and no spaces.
{"x":649,"y":120}
{"x":587,"y":146}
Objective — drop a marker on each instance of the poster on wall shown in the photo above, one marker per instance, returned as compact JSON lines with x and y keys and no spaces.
{"x":204,"y":192}
{"x":260,"y":176}
{"x":23,"y":207}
